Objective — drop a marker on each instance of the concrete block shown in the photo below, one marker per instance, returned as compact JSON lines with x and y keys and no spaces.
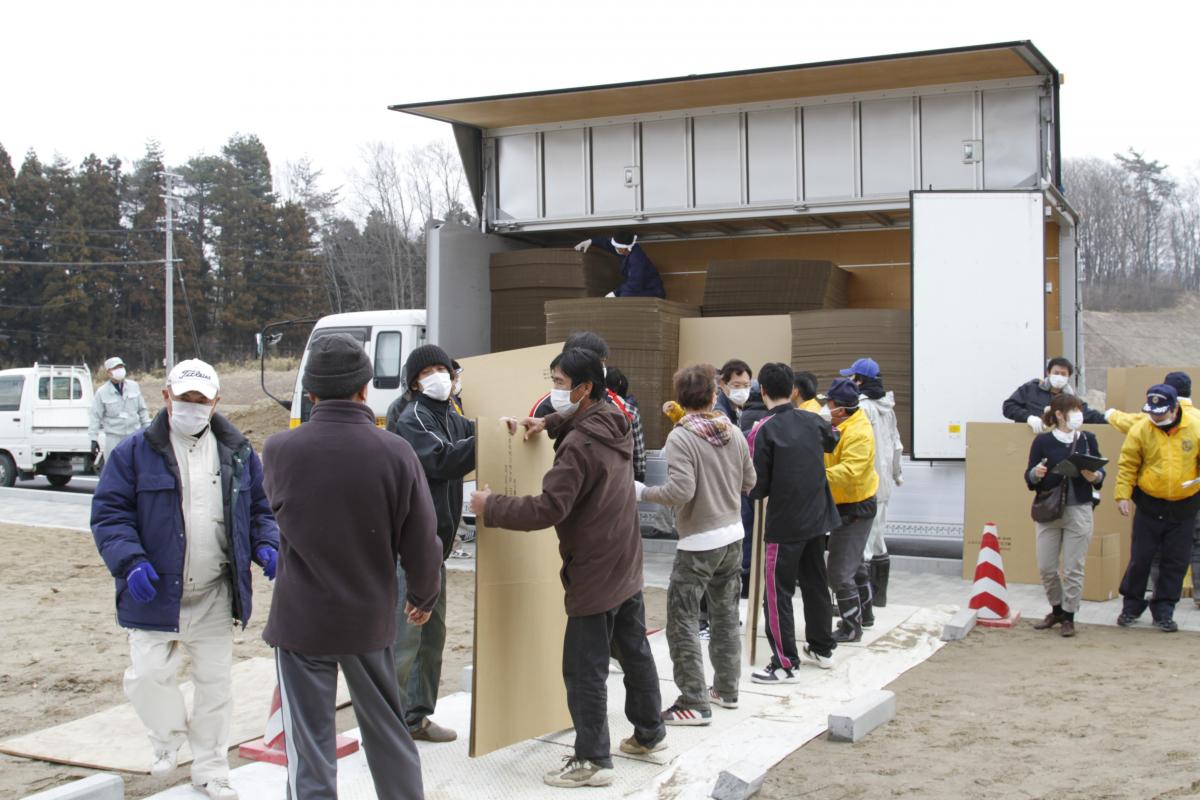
{"x":960,"y":625}
{"x":104,"y":786}
{"x":856,"y":719}
{"x":739,"y":782}
{"x":467,"y":680}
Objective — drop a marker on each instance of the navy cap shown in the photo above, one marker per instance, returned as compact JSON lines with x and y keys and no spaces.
{"x":867,"y":367}
{"x":1181,"y":381}
{"x":843,"y":392}
{"x":1160,"y":398}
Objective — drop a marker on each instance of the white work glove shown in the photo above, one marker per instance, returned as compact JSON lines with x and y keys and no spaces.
{"x":1108,"y":414}
{"x":584,"y":245}
{"x":639,"y":489}
{"x":899,"y":480}
{"x":1035,"y":424}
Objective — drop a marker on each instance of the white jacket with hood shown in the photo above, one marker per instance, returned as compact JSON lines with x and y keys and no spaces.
{"x":888,"y":447}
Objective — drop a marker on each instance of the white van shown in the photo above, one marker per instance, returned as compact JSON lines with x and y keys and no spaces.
{"x":44,"y":423}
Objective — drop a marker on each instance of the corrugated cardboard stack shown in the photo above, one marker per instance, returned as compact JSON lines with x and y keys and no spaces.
{"x":824,"y":342}
{"x":523,"y":280}
{"x":643,"y":341}
{"x":773,"y":286}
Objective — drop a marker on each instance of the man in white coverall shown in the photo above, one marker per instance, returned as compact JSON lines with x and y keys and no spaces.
{"x":118,"y":409}
{"x":178,"y":515}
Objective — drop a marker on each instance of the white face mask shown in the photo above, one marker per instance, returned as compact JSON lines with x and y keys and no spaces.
{"x":1166,"y":423}
{"x":826,"y":414}
{"x":739,"y":396}
{"x":189,"y":418}
{"x":561,"y":400}
{"x":1075,"y":420}
{"x":436,"y":386}
{"x":1059,"y":381}
{"x":118,"y":374}
{"x":458,"y":388}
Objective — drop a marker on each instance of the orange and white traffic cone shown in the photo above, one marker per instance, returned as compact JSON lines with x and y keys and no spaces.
{"x":272,"y":748}
{"x":990,"y":593}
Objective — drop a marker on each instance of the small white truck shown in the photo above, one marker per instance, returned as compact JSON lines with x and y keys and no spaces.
{"x":44,"y":423}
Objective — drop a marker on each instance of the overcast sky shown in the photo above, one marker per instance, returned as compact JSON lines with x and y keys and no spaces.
{"x":315,"y":78}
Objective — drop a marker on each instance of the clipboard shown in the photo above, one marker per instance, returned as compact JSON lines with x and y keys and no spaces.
{"x":1071,"y":465}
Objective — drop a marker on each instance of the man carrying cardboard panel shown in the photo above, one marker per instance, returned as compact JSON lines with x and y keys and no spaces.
{"x":1160,"y":463}
{"x":588,"y":496}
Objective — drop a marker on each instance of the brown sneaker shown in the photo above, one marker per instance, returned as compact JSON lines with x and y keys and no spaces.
{"x":430,"y":731}
{"x":1049,"y":621}
{"x":1068,"y":627}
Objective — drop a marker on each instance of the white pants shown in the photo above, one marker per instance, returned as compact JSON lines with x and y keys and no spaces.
{"x":876,"y":544}
{"x":152,"y":682}
{"x":111,"y":440}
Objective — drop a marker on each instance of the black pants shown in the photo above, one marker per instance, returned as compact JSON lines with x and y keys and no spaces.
{"x":1171,"y":541}
{"x":586,"y":648}
{"x":786,"y":565}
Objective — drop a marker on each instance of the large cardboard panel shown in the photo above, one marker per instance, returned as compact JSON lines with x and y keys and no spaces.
{"x":1053,"y":278}
{"x":1054,"y":344}
{"x":755,"y":594}
{"x":997,"y":455}
{"x":519,"y":614}
{"x":755,"y":340}
{"x":1127,"y":386}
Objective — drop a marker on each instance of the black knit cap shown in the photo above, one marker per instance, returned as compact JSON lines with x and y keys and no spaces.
{"x":427,"y":355}
{"x":337,"y":367}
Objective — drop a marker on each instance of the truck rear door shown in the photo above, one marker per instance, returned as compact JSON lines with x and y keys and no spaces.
{"x":59,"y":410}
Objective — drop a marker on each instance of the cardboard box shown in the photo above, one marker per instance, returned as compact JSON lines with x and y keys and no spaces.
{"x":1102,"y":577}
{"x":773,"y":286}
{"x":997,"y":456}
{"x":1126,"y":386}
{"x":755,"y":340}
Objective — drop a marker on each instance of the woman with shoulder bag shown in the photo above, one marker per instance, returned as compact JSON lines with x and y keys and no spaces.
{"x":1062,"y":507}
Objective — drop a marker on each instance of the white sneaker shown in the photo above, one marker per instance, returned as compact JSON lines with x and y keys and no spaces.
{"x":219,"y":789}
{"x":824,"y":662}
{"x":575,"y":773}
{"x":164,"y":762}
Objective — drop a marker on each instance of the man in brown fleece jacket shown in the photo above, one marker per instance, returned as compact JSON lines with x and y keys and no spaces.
{"x":349,"y":498}
{"x":588,"y":496}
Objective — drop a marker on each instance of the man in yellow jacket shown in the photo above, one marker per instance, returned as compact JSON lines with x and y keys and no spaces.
{"x":850,"y":470}
{"x":1159,"y":467}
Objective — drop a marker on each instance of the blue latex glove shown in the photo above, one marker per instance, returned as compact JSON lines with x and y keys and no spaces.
{"x":141,"y":582}
{"x":267,"y":556}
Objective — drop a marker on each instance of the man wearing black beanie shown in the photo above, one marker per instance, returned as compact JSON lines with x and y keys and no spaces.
{"x":444,"y":441}
{"x":349,"y":499}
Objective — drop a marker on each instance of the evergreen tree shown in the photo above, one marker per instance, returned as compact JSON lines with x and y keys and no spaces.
{"x":31,"y":220}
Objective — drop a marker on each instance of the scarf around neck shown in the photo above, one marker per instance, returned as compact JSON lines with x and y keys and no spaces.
{"x":712,"y":426}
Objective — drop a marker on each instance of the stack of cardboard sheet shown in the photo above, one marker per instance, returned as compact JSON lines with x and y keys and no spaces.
{"x":825,"y":342}
{"x":523,"y":280}
{"x":773,"y":286}
{"x":643,"y":341}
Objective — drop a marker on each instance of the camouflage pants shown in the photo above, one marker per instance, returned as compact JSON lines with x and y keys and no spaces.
{"x":715,"y":574}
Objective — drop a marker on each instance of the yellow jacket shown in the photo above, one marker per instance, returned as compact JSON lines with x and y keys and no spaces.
{"x":1125,"y":420}
{"x":811,"y":405}
{"x":850,"y":468}
{"x":1159,"y":462}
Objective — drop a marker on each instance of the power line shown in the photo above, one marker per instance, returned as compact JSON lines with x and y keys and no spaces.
{"x":12,"y":219}
{"x":14,"y":263}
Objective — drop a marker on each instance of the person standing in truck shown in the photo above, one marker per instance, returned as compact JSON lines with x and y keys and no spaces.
{"x":1030,"y":401}
{"x":179,"y":514}
{"x":444,"y":442}
{"x":118,"y":409}
{"x":639,"y":276}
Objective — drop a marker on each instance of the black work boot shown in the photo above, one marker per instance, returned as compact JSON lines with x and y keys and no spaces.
{"x":881,"y":567}
{"x":850,"y":628}
{"x":864,"y":602}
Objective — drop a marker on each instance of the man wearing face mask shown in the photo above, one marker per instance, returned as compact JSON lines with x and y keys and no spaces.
{"x":589,"y":498}
{"x":850,"y":469}
{"x":1159,"y":467}
{"x":178,"y":515}
{"x":639,"y":276}
{"x":444,"y":441}
{"x":1030,"y":402}
{"x":118,"y":409}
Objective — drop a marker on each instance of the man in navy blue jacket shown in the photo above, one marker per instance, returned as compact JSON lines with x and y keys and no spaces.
{"x":178,"y":516}
{"x":639,"y":277}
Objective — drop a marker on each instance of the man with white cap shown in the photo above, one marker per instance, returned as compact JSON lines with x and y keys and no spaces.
{"x":178,"y":516}
{"x":118,"y":409}
{"x":639,"y":276}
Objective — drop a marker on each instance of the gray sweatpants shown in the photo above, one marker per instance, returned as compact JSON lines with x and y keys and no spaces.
{"x":715,"y":574}
{"x":308,"y":687}
{"x":1067,"y":537}
{"x":848,"y":577}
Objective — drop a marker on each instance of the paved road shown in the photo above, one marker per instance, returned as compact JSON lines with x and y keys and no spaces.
{"x":80,"y":484}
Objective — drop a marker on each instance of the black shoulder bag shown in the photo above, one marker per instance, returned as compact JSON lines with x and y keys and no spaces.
{"x":1050,"y":504}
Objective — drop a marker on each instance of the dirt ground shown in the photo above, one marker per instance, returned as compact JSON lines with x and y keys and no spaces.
{"x":64,"y":654}
{"x":1024,"y":714}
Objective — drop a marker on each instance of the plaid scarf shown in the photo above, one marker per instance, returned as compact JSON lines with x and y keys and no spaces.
{"x":711,"y":426}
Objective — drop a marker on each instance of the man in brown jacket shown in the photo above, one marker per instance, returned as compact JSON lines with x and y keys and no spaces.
{"x":349,"y":498}
{"x":588,"y":496}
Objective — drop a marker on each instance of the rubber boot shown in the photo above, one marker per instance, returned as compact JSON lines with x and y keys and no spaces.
{"x":881,"y":567}
{"x":850,"y":628}
{"x":864,"y":601}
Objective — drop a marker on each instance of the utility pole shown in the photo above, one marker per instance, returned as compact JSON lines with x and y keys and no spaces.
{"x":169,"y":258}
